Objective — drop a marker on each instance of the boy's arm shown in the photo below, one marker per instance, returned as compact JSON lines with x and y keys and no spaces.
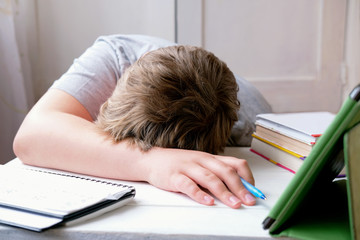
{"x":59,"y":133}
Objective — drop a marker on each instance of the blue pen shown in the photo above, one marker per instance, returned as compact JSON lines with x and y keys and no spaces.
{"x":254,"y":191}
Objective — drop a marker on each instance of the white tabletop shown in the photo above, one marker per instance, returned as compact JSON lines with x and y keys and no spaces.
{"x":158,"y":214}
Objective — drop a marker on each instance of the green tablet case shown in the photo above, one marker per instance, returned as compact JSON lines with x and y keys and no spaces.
{"x":314,"y":206}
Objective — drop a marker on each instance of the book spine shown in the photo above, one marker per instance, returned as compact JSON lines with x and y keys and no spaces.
{"x":272,"y":161}
{"x":276,"y":155}
{"x":284,"y":141}
{"x":300,"y":136}
{"x":279,"y":147}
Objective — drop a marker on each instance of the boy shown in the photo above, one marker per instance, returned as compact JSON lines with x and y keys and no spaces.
{"x":59,"y":132}
{"x":174,"y":97}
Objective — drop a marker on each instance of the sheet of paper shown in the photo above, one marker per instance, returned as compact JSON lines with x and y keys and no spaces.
{"x":22,"y":218}
{"x":51,"y":193}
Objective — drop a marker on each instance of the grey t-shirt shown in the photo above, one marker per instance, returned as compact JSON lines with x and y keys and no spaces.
{"x":92,"y":78}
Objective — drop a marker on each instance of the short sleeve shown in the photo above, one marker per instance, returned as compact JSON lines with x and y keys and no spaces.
{"x":93,"y":76}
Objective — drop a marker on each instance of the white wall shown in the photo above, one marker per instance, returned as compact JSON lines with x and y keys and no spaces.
{"x":60,"y":30}
{"x":16,"y":93}
{"x":351,"y":71}
{"x":67,"y":27}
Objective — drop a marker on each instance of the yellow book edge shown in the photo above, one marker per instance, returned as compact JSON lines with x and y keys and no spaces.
{"x":279,"y":147}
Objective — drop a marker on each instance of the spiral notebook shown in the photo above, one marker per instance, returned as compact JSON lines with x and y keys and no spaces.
{"x":38,"y":199}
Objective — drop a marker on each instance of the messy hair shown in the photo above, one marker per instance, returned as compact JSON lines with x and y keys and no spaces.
{"x":174,"y":97}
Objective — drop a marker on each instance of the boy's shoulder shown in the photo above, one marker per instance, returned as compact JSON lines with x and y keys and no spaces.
{"x":132,"y":45}
{"x":252,"y":102}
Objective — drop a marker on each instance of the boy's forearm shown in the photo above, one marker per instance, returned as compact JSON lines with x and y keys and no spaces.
{"x":67,"y":142}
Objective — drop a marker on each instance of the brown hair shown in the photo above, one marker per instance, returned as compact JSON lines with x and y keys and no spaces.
{"x":174,"y":97}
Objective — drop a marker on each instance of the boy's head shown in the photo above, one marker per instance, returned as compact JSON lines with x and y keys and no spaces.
{"x":174,"y":97}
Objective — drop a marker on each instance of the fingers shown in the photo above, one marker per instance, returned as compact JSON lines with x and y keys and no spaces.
{"x":215,"y":185}
{"x":223,"y":182}
{"x":240,"y":165}
{"x":189,"y":187}
{"x":190,"y":172}
{"x":229,"y":176}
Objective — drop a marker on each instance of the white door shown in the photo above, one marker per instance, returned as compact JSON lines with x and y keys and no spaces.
{"x":292,"y":51}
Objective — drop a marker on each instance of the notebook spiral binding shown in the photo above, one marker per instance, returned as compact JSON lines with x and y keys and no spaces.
{"x":77,"y":176}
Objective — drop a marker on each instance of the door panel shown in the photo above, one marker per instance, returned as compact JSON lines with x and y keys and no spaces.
{"x":290,"y":50}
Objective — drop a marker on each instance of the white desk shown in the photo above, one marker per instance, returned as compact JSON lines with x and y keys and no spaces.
{"x":157,"y":214}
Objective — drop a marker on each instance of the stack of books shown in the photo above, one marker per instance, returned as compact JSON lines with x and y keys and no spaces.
{"x":286,"y":139}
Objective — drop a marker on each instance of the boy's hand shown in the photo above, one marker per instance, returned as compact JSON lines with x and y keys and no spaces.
{"x":191,"y":172}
